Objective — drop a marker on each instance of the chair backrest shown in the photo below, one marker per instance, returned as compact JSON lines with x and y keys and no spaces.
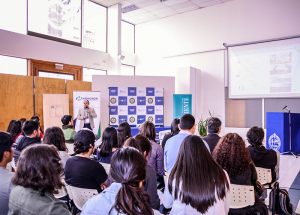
{"x":70,"y":147}
{"x":106,"y":167}
{"x":264,"y":176}
{"x":241,"y":196}
{"x":81,"y":195}
{"x":62,"y":192}
{"x":161,"y":134}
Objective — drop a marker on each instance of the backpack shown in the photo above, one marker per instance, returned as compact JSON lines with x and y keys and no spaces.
{"x":279,"y":201}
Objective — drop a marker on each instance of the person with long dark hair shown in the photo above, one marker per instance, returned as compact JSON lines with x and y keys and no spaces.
{"x":80,"y":170}
{"x":262,"y":157}
{"x":36,"y":179}
{"x":232,"y":155}
{"x":174,"y":130}
{"x":125,"y":194}
{"x":15,"y":129}
{"x":144,"y":146}
{"x":197,"y":184}
{"x":124,"y":132}
{"x":55,"y":136}
{"x":108,"y":146}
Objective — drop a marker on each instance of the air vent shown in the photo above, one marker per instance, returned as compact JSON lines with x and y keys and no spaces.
{"x":129,"y":8}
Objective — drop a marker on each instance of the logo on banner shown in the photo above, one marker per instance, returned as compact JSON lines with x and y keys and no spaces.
{"x":113,"y":120}
{"x":113,"y":100}
{"x":150,"y":119}
{"x":132,"y":119}
{"x":274,"y":142}
{"x":131,"y":100}
{"x":150,"y":100}
{"x":79,"y":98}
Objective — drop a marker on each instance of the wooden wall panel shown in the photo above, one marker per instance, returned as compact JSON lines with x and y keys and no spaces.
{"x":16,"y":98}
{"x":76,"y":86}
{"x":46,"y":86}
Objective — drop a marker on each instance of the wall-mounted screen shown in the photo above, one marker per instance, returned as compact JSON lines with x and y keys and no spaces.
{"x":59,"y":19}
{"x":265,"y":70}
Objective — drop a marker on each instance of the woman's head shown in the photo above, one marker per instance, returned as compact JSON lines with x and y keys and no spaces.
{"x":144,"y":144}
{"x":148,"y":130}
{"x":66,"y":120}
{"x":192,"y":155}
{"x":55,"y":136}
{"x":14,"y":128}
{"x":39,"y":168}
{"x":231,"y":154}
{"x":174,"y":126}
{"x":255,"y":136}
{"x":109,"y":141}
{"x":124,"y":132}
{"x":84,"y":141}
{"x":128,"y":167}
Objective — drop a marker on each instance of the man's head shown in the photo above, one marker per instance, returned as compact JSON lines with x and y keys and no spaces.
{"x":86,"y":103}
{"x":31,"y":128}
{"x":66,"y":120}
{"x":6,"y":152}
{"x":214,"y":125}
{"x":187,"y":123}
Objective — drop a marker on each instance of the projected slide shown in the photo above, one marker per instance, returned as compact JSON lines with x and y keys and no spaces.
{"x":265,"y":70}
{"x":55,"y":18}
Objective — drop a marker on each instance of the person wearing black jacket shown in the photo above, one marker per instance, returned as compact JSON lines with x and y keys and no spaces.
{"x":213,"y":128}
{"x":262,"y":157}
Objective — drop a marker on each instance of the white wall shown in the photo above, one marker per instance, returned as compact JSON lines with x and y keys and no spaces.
{"x":166,"y":44}
{"x":102,"y":83}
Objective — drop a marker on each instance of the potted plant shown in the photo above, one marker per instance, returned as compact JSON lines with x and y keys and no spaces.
{"x":202,"y":127}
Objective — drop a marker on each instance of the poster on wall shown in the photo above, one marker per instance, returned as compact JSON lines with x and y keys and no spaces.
{"x":136,"y":105}
{"x":87,"y":110}
{"x":182,"y":104}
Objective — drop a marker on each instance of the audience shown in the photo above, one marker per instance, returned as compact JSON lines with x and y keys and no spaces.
{"x":262,"y":157}
{"x":231,"y":154}
{"x":156,"y":156}
{"x":213,"y":128}
{"x":80,"y":170}
{"x":68,"y":129}
{"x":187,"y":127}
{"x":31,"y":130}
{"x":6,"y":154}
{"x":124,"y":132}
{"x":36,"y":179}
{"x":142,"y":144}
{"x":197,"y":184}
{"x":54,"y":136}
{"x":108,"y":146}
{"x":174,"y":130}
{"x":125,"y":194}
{"x":15,"y":129}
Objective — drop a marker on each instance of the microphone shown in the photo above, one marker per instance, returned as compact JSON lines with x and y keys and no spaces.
{"x":284,"y":107}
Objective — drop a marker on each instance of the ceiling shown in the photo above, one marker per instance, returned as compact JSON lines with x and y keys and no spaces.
{"x":140,"y":11}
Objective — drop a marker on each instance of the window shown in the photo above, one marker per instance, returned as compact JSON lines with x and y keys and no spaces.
{"x":13,"y":16}
{"x":94,"y":26}
{"x":127,"y":37}
{"x":55,"y":75}
{"x":88,"y":73}
{"x":13,"y":66}
{"x":124,"y":70}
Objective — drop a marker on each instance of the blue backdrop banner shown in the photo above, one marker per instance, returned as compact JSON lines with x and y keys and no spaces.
{"x":182,"y":104}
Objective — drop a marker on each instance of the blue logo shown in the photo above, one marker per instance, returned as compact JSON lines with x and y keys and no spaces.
{"x":149,"y":91}
{"x":159,"y":100}
{"x":141,"y":119}
{"x":159,"y":119}
{"x":274,"y":142}
{"x":113,"y":91}
{"x":122,"y":100}
{"x":122,"y":118}
{"x":150,"y":110}
{"x":131,"y":110}
{"x":132,"y":91}
{"x":141,"y":100}
{"x":113,"y":110}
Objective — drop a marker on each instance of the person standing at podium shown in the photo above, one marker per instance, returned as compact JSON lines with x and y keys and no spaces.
{"x":262,"y":157}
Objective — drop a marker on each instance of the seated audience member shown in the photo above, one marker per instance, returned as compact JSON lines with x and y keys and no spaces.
{"x":68,"y":129}
{"x":108,"y":146}
{"x":17,"y":140}
{"x":37,"y":119}
{"x":187,"y":127}
{"x":262,"y":157}
{"x":54,"y":136}
{"x":36,"y":179}
{"x":6,"y":154}
{"x":231,"y":154}
{"x":142,"y":144}
{"x":197,"y":184}
{"x":15,"y":129}
{"x":80,"y":170}
{"x":124,"y":132}
{"x":156,"y":156}
{"x":213,"y":128}
{"x":31,"y":130}
{"x":174,"y":130}
{"x":125,"y":194}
